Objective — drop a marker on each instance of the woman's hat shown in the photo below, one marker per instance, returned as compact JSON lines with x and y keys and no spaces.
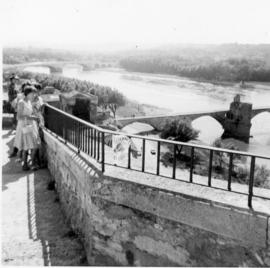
{"x":26,"y":83}
{"x":29,"y":89}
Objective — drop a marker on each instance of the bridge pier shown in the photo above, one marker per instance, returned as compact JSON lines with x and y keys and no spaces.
{"x":237,"y":121}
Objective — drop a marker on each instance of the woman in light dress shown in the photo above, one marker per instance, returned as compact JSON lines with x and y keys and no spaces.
{"x":20,"y":96}
{"x":27,"y":135}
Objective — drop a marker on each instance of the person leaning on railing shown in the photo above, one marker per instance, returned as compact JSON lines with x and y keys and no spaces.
{"x":27,"y":136}
{"x":38,"y":104}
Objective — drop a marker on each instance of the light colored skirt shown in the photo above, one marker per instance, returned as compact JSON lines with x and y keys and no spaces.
{"x":26,"y":141}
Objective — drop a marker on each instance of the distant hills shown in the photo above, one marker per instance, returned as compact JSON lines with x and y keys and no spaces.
{"x":225,"y":62}
{"x":228,"y":62}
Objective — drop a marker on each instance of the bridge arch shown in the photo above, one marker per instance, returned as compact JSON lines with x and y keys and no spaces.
{"x":260,"y":123}
{"x":254,"y":115}
{"x":256,"y":112}
{"x":207,"y":118}
{"x":210,"y":128}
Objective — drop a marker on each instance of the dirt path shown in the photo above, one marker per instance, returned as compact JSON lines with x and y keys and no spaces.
{"x":34,"y":231}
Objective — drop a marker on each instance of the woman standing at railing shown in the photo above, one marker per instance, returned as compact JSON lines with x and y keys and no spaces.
{"x":27,"y":136}
{"x":20,"y":96}
{"x":37,"y":104}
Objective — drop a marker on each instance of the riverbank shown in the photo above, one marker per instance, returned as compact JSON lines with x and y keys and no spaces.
{"x":134,"y":108}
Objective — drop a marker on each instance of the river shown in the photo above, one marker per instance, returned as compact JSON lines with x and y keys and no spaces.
{"x":185,"y":95}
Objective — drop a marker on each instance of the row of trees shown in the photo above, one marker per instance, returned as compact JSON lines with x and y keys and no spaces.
{"x":230,"y":69}
{"x":108,"y":98}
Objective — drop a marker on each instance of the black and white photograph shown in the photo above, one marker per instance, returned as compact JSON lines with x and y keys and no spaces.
{"x":135,"y":133}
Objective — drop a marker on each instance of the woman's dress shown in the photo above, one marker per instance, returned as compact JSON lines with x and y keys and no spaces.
{"x":30,"y":140}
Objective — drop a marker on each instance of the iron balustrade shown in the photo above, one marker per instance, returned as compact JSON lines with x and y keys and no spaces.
{"x":90,"y":139}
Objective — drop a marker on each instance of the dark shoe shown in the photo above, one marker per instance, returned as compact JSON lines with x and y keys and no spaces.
{"x":25,"y":168}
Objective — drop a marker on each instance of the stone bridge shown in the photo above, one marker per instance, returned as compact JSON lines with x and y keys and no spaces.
{"x":158,"y":122}
{"x":236,"y":124}
{"x":55,"y":66}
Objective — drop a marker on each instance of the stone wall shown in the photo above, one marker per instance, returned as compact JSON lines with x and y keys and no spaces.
{"x":123,"y":222}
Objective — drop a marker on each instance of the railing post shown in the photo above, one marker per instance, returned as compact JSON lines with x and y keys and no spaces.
{"x":103,"y":153}
{"x":83,"y":138}
{"x":72,"y":131}
{"x":98,"y":156}
{"x":230,"y":172}
{"x":143,"y":155}
{"x":45,"y":115}
{"x":79,"y":138}
{"x":88,"y":140}
{"x":174,"y":161}
{"x":158,"y":157}
{"x":95,"y":142}
{"x":91,"y":139}
{"x":251,"y":180}
{"x":65,"y":131}
{"x":191,"y":164}
{"x":210,"y":168}
{"x":129,"y":154}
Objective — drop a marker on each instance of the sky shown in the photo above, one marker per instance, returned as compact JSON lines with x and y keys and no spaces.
{"x":119,"y":23}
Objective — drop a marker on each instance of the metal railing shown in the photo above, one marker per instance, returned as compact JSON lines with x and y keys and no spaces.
{"x":91,"y":140}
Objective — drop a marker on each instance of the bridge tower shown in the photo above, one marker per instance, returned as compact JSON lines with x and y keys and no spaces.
{"x":237,"y":121}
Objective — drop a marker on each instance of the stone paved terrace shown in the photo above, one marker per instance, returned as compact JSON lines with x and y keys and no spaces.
{"x":34,"y":231}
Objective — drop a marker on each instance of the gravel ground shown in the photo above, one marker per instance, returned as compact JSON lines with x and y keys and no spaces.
{"x":34,"y":231}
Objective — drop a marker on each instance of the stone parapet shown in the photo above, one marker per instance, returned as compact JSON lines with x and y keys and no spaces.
{"x":126,"y":219}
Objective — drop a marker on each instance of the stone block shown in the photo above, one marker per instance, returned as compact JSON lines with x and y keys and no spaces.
{"x":159,"y":248}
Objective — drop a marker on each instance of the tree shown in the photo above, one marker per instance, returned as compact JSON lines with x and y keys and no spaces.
{"x":115,"y":100}
{"x":179,"y":130}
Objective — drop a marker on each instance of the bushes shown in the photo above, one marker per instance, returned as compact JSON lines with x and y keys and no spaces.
{"x":240,"y":169}
{"x":221,"y":159}
{"x":262,"y":176}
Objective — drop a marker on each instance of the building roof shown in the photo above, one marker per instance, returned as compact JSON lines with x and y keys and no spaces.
{"x":75,"y":95}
